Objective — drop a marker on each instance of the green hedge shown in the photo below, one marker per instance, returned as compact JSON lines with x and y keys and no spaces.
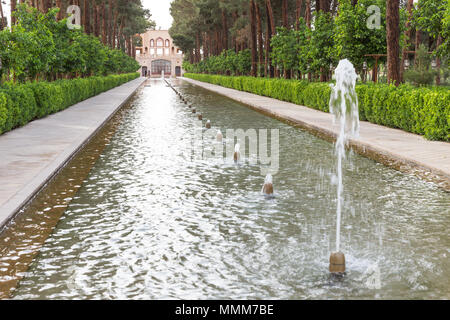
{"x":424,"y":110}
{"x":22,"y":103}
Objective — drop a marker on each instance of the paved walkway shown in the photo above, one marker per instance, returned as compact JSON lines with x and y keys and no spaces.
{"x":31,"y":155}
{"x":399,"y":149}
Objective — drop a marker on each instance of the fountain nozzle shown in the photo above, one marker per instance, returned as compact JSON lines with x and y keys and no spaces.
{"x":237,"y":153}
{"x":267,"y":188}
{"x":219,"y":135}
{"x":337,"y":263}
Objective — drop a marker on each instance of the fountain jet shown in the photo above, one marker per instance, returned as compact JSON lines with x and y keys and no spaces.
{"x":344,"y":107}
{"x":237,"y":153}
{"x":219,"y":135}
{"x":267,"y":188}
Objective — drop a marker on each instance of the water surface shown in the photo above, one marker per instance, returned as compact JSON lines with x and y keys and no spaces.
{"x":147,"y":223}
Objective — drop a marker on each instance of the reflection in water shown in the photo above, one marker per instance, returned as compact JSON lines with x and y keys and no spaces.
{"x":147,"y":223}
{"x":22,"y":239}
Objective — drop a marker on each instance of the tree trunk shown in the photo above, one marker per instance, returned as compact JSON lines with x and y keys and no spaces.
{"x":87,"y":17}
{"x":308,"y":23}
{"x":60,"y":13}
{"x":298,"y":13}
{"x":438,"y":61}
{"x":210,"y":44}
{"x":284,"y":13}
{"x":3,"y":20}
{"x":13,"y":8}
{"x":325,"y":5}
{"x":95,"y":18}
{"x":128,"y":45}
{"x":308,"y":13}
{"x":46,"y":5}
{"x":217,"y":44}
{"x":197,"y":48}
{"x":392,"y":39}
{"x":205,"y":45}
{"x":119,"y":36}
{"x":408,"y":32}
{"x":260,"y":37}
{"x":225,"y":29}
{"x":99,"y":20}
{"x":270,"y":32}
{"x":114,"y":39}
{"x":417,"y":44}
{"x":110,"y":23}
{"x":104,"y":18}
{"x":254,"y":71}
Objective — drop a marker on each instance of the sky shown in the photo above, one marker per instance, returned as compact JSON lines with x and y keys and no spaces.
{"x":160,"y":12}
{"x":158,"y":8}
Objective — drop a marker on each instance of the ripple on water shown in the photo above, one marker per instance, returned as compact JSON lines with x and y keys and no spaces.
{"x":149,"y":222}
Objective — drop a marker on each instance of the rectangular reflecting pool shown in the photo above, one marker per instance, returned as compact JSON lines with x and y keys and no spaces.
{"x":131,"y":217}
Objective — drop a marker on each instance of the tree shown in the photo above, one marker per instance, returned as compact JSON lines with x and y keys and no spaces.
{"x":431,"y":17}
{"x":393,"y":41}
{"x":353,"y":39}
{"x":320,"y":48}
{"x":253,"y":38}
{"x":285,"y":49}
{"x":13,"y":8}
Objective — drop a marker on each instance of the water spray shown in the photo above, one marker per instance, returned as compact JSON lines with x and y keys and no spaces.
{"x":267,"y":188}
{"x":344,"y":107}
{"x":219,"y":135}
{"x":237,"y":153}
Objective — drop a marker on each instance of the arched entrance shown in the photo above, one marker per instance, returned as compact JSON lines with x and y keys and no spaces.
{"x":144,"y":71}
{"x":159,"y":65}
{"x":177,"y":71}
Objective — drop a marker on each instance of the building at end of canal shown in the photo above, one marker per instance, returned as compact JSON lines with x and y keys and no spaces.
{"x":158,"y":53}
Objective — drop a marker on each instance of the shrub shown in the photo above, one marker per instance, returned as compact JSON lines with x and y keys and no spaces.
{"x":22,"y":103}
{"x":421,"y":110}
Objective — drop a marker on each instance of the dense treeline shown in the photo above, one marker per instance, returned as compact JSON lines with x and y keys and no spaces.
{"x":306,"y":38}
{"x":423,"y":110}
{"x":114,"y":22}
{"x":40,"y":46}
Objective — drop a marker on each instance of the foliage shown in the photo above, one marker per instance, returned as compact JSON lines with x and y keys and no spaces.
{"x":40,"y":47}
{"x":433,"y":17}
{"x":445,"y":47}
{"x":421,"y":73}
{"x":353,"y":38}
{"x":227,"y":62}
{"x":321,"y":44}
{"x":285,"y":47}
{"x":22,"y":103}
{"x":424,"y":110}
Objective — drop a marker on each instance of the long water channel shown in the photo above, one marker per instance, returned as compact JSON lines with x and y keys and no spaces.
{"x":133,"y":217}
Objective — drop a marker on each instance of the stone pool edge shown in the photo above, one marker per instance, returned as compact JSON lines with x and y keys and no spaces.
{"x":391,"y":158}
{"x":12,"y":206}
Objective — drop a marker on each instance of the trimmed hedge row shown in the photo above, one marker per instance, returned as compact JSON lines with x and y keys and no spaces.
{"x":22,"y":103}
{"x":424,"y":110}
